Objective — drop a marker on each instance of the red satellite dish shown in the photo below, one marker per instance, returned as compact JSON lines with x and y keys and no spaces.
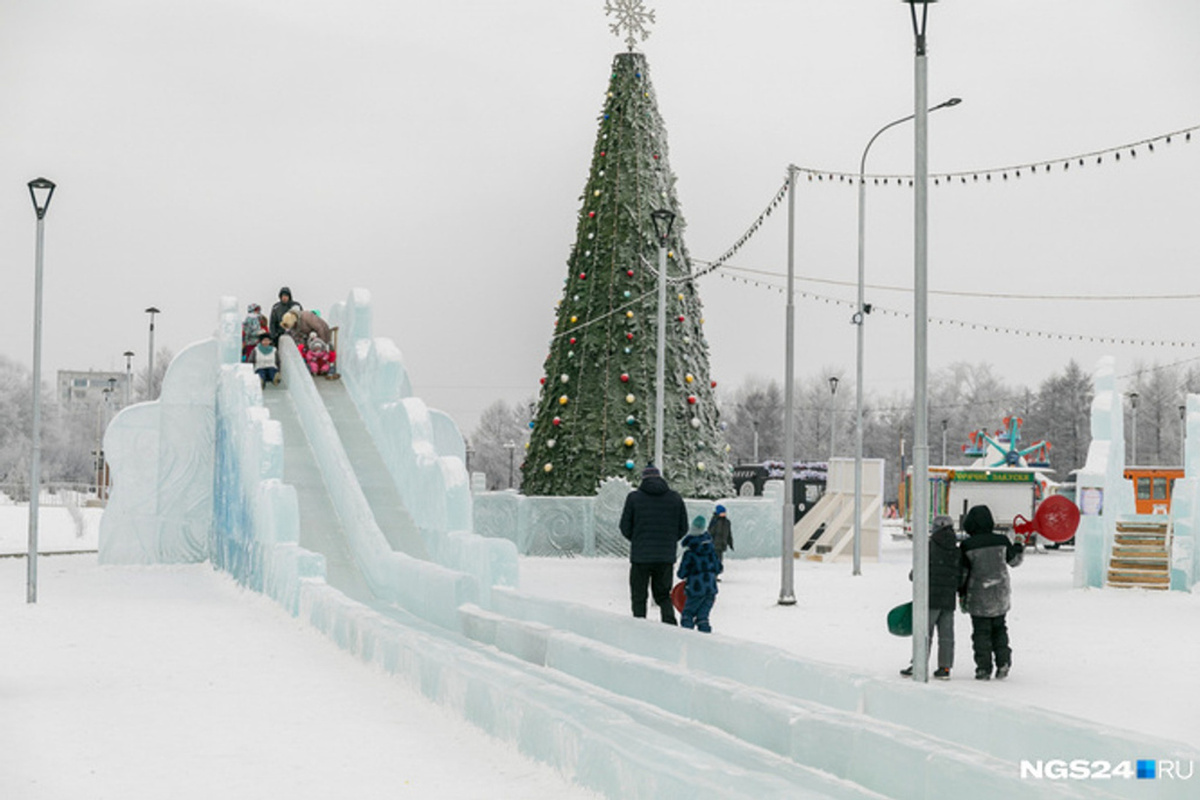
{"x":1056,"y":519}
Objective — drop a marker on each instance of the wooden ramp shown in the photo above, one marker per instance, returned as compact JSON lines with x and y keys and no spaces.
{"x":1141,"y":555}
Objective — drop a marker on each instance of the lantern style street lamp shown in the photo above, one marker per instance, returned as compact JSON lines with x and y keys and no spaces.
{"x":40,"y":192}
{"x":663,"y":219}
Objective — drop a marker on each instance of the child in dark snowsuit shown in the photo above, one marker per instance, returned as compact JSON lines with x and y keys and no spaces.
{"x":986,"y":593}
{"x":700,"y":568}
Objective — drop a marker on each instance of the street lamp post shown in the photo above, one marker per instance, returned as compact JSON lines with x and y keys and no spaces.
{"x":833,"y":384}
{"x":787,"y":591}
{"x":755,"y":424}
{"x":663,"y":219}
{"x":40,"y":191}
{"x":1183,"y":436}
{"x":1133,"y":405}
{"x":920,"y":500}
{"x":511,"y":447}
{"x":469,"y":453}
{"x":150,"y":360}
{"x":128,"y":376}
{"x":859,"y":320}
{"x":945,"y":456}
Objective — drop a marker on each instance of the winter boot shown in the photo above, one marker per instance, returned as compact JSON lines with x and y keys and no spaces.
{"x":942,"y":673}
{"x":907,"y":671}
{"x":983,"y":674}
{"x":1002,"y":672}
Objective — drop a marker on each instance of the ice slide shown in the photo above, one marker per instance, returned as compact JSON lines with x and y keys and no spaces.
{"x":629,"y":708}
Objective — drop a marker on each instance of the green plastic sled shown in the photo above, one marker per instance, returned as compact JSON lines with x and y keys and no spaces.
{"x":899,"y":620}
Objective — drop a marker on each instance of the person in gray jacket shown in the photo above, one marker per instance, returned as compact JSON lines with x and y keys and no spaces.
{"x":986,"y":592}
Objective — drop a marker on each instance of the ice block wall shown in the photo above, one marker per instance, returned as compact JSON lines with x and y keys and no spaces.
{"x":1102,"y":492}
{"x":160,"y":455}
{"x":1185,"y":506}
{"x":588,"y":526}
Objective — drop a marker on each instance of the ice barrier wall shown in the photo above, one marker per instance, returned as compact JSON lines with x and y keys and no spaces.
{"x":1185,"y":506}
{"x":588,"y":526}
{"x":1103,"y":493}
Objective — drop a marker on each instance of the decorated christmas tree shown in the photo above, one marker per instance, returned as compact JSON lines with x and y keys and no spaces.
{"x":596,"y":414}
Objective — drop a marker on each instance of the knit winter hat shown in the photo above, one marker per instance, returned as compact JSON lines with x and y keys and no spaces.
{"x":651,"y":471}
{"x":941,"y":521}
{"x":719,"y":510}
{"x":250,"y":309}
{"x":979,"y":520}
{"x":698,"y":523}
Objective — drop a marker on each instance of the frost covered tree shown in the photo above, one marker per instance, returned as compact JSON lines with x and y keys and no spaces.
{"x":596,"y":413}
{"x":499,"y":425}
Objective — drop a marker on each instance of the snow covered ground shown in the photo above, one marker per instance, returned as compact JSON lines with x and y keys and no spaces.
{"x":1124,"y":657}
{"x":173,"y":682}
{"x":60,"y":530}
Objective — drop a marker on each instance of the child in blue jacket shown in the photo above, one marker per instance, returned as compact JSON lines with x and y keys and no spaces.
{"x":700,"y":567}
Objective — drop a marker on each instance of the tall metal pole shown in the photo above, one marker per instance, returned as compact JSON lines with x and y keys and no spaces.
{"x":150,"y":361}
{"x":128,"y":376}
{"x":1133,"y":402}
{"x":1183,"y":436}
{"x":35,"y":461}
{"x":833,"y":384}
{"x":945,"y":454}
{"x":755,"y":423}
{"x":920,"y":360}
{"x":859,"y":319}
{"x":660,"y":364}
{"x":787,"y":592}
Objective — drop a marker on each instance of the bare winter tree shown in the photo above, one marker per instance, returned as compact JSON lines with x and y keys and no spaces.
{"x":756,"y":407}
{"x":501,"y":424}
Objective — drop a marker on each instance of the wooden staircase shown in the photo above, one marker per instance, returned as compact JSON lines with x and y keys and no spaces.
{"x":1141,"y":555}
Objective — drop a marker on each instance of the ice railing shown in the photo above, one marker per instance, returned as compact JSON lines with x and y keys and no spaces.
{"x":422,"y":448}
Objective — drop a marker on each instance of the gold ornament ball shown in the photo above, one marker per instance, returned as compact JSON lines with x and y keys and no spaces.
{"x":548,"y":467}
{"x":562,"y":401}
{"x":574,"y":319}
{"x":629,"y":315}
{"x":629,"y":441}
{"x":689,"y":377}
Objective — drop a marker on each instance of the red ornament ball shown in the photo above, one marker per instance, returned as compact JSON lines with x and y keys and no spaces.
{"x":629,"y":272}
{"x":629,"y":336}
{"x":543,"y":381}
{"x":603,"y":153}
{"x":572,"y":340}
{"x":583,"y":276}
{"x":624,"y":377}
{"x":591,"y":214}
{"x":556,"y":421}
{"x":692,"y":399}
{"x":681,"y":317}
{"x":714,"y":384}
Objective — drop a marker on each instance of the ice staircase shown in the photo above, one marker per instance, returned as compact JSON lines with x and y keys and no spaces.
{"x":1141,"y":554}
{"x":372,"y":474}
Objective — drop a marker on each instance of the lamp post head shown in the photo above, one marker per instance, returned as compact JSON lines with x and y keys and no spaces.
{"x":833,"y":384}
{"x":128,"y":354}
{"x":1133,"y":399}
{"x":40,"y":191}
{"x":152,"y":310}
{"x":663,"y":219}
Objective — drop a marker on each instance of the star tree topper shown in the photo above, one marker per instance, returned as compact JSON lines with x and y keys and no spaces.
{"x":633,"y":16}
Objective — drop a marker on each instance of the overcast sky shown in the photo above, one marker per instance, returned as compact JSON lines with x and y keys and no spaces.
{"x":434,"y":154}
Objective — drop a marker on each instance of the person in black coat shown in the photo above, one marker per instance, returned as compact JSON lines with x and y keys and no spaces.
{"x":986,"y":591}
{"x":654,"y":520}
{"x":278,"y":310}
{"x":945,"y":576}
{"x":721,"y":531}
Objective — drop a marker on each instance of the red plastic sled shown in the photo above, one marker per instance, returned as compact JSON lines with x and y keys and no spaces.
{"x":679,"y":596}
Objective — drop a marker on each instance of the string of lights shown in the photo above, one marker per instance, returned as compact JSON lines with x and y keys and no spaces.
{"x":975,"y":326}
{"x":710,"y":266}
{"x":984,"y":295}
{"x":1014,"y":171}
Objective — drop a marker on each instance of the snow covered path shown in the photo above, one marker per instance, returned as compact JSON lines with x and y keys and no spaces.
{"x":174,"y":682}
